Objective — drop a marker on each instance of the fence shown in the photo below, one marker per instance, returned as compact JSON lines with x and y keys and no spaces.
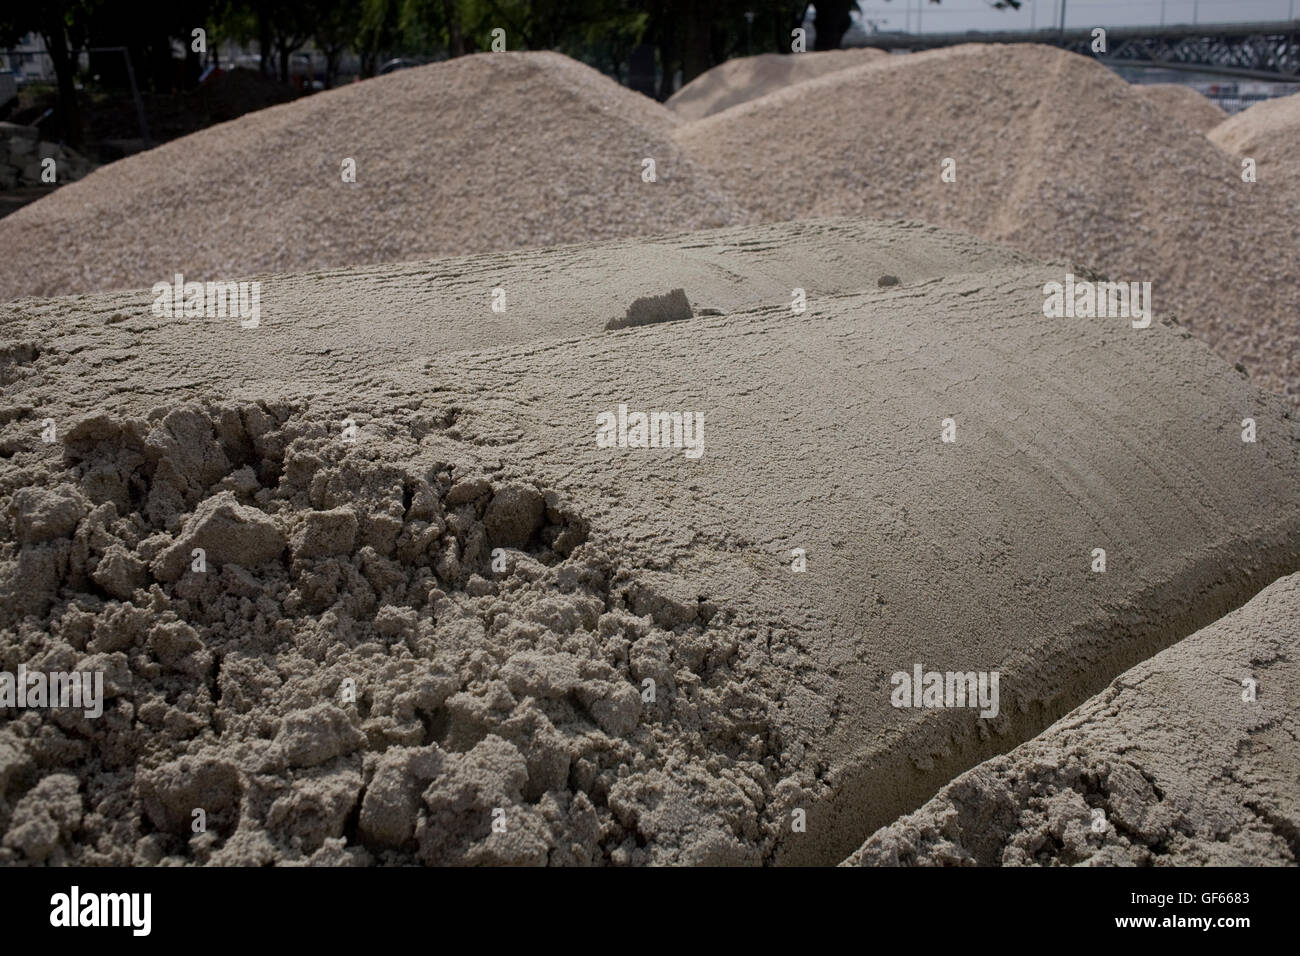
{"x":1236,"y":102}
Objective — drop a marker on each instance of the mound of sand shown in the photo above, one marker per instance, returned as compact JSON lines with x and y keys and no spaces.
{"x":1269,"y":132}
{"x":1053,"y":154}
{"x":452,"y":158}
{"x":431,"y":598}
{"x":1185,"y":104}
{"x":748,"y":77}
{"x":1180,"y":762}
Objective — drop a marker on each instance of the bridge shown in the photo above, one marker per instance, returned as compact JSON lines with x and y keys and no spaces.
{"x":1260,"y":51}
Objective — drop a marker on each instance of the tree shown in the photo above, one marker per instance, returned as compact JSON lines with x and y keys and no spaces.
{"x":376,"y":33}
{"x":336,"y":28}
{"x":833,"y":21}
{"x":62,"y":25}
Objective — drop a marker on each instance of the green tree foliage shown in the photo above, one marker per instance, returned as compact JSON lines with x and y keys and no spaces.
{"x":687,"y":36}
{"x":62,"y":24}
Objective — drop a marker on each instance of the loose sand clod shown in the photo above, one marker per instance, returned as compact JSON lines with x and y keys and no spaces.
{"x":350,"y":471}
{"x":1171,"y":765}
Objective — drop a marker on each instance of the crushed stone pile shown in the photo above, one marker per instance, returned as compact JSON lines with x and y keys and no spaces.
{"x":430,"y":599}
{"x":1268,"y":132}
{"x":453,"y":158}
{"x":746,"y":78}
{"x":1053,"y":154}
{"x":1188,"y":759}
{"x":23,"y":156}
{"x":1184,"y":103}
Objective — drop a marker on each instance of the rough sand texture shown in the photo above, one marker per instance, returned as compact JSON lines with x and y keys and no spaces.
{"x":1183,"y":770}
{"x":366,"y":556}
{"x":1183,"y":103}
{"x":1056,"y":155}
{"x":746,"y":78}
{"x":452,"y":158}
{"x":1269,"y":132}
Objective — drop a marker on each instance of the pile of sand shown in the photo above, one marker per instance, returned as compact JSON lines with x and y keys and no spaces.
{"x":482,"y":153}
{"x":1184,"y":103}
{"x":1188,"y":759}
{"x":1269,"y":132}
{"x":747,"y":78}
{"x":1053,"y":154}
{"x":432,"y":599}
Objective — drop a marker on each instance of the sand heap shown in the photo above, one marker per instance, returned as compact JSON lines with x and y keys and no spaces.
{"x":431,"y":599}
{"x":1054,"y":154}
{"x":1185,"y":104}
{"x":747,"y":78}
{"x":458,"y":157}
{"x":1270,"y":133}
{"x":1188,"y":759}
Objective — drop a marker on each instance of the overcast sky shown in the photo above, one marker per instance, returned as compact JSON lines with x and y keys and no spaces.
{"x":961,"y":15}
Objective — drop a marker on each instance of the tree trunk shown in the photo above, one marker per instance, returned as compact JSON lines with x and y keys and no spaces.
{"x":667,"y":63}
{"x":65,"y":69}
{"x":697,"y":56}
{"x":832,"y":23}
{"x":455,"y":35}
{"x":264,"y":40}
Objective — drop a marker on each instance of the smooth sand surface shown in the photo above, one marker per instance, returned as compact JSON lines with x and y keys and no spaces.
{"x":1050,"y":152}
{"x":351,"y":466}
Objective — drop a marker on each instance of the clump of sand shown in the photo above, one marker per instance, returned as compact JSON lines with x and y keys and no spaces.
{"x":453,"y":158}
{"x":1188,"y":759}
{"x":1054,"y":154}
{"x":746,"y":78}
{"x":1269,"y":133}
{"x":1184,"y":103}
{"x":349,"y":653}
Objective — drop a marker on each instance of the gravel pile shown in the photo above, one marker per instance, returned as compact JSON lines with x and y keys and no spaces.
{"x":749,"y":77}
{"x":1269,"y":132}
{"x":466,"y":156}
{"x":23,"y":155}
{"x":1053,"y":154}
{"x":1184,"y":103}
